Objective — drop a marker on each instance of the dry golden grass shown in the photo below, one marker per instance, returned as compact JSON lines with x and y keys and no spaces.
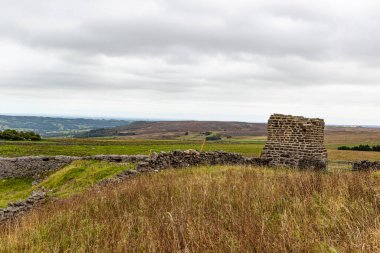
{"x":351,"y":135}
{"x":218,"y":209}
{"x":349,"y":155}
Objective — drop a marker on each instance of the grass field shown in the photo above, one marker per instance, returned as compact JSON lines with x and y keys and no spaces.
{"x":82,"y":147}
{"x":210,"y":209}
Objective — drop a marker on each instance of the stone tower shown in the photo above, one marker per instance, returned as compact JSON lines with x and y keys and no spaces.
{"x":295,"y":142}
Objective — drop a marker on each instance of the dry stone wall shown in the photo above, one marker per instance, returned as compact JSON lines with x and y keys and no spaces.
{"x":188,"y":158}
{"x":38,"y":166}
{"x":366,"y":165}
{"x":295,"y":142}
{"x":15,"y":209}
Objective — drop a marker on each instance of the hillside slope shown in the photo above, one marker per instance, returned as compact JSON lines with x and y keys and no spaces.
{"x":51,"y":126}
{"x":170,"y":129}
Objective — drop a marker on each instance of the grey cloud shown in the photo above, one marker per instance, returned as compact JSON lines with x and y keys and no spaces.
{"x":263,"y":31}
{"x":206,"y":51}
{"x":169,"y":35}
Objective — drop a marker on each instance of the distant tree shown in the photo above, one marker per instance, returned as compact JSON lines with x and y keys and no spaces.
{"x":215,"y":137}
{"x":208,"y":133}
{"x":186,"y":133}
{"x":361,"y":148}
{"x":13,"y":135}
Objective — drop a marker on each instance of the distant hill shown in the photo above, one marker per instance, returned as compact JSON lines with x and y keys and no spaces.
{"x":170,"y":129}
{"x":175,"y":129}
{"x":51,"y":126}
{"x":80,"y":127}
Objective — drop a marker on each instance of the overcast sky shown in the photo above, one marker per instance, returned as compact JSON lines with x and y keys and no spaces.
{"x":198,"y":59}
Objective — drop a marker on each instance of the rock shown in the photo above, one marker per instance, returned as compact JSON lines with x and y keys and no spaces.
{"x":154,"y":156}
{"x":366,"y":165}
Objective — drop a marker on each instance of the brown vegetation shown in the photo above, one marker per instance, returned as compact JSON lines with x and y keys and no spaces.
{"x":348,"y":155}
{"x":218,"y":209}
{"x":352,"y":135}
{"x":175,"y":129}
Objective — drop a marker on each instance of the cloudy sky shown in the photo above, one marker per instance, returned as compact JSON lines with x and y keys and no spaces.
{"x":198,"y":59}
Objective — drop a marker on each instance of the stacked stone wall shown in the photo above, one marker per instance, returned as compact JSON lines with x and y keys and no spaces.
{"x":188,"y":158}
{"x":295,"y":142}
{"x":365,"y":165}
{"x":15,"y":209}
{"x":38,"y":166}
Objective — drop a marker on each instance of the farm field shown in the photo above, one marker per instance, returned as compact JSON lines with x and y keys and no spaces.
{"x":248,"y":146}
{"x":210,"y":209}
{"x":83,"y":147}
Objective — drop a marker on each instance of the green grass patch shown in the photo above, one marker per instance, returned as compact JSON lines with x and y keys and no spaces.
{"x":81,"y":175}
{"x":13,"y":189}
{"x":85,"y":147}
{"x":73,"y":179}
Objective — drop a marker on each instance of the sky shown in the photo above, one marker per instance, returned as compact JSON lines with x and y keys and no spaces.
{"x":236,"y":60}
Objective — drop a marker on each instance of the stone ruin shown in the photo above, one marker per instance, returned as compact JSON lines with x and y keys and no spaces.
{"x":295,"y":142}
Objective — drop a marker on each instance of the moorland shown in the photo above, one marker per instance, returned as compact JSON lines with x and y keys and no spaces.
{"x":203,"y":209}
{"x":191,"y":136}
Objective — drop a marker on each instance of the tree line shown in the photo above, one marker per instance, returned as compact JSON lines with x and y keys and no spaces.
{"x":375,"y":148}
{"x":13,"y":135}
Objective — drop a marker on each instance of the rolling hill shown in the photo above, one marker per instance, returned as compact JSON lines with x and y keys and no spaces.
{"x":172,"y":129}
{"x":175,"y":129}
{"x":51,"y":126}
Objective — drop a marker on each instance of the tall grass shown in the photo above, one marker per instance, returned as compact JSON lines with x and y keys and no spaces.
{"x":218,"y":209}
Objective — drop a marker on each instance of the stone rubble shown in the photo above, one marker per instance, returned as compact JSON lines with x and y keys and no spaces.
{"x":15,"y":209}
{"x":366,"y":165}
{"x":189,"y":158}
